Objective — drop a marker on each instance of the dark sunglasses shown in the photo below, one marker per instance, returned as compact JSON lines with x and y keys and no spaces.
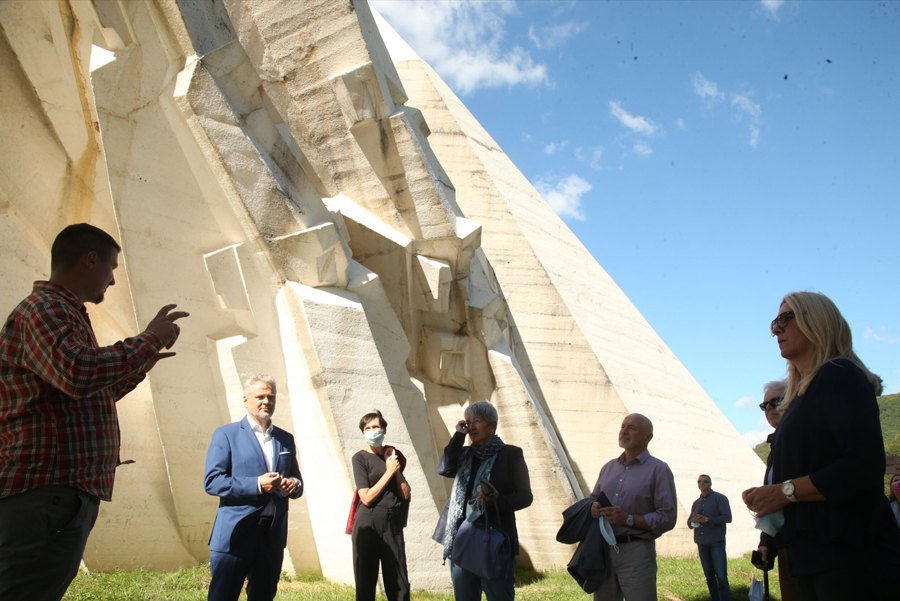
{"x":774,"y":403}
{"x":702,"y":481}
{"x":782,"y":320}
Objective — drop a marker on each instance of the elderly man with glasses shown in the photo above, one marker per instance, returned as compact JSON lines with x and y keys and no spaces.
{"x":709,"y":514}
{"x":773,"y":395}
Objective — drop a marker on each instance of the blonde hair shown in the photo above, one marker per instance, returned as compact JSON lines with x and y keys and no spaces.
{"x":824,"y":326}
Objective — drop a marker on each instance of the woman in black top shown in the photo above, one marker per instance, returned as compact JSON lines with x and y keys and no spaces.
{"x":492,"y":474}
{"x":381,"y":515}
{"x":828,"y":461}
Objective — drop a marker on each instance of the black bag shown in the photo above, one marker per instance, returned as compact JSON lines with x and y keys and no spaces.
{"x":483,"y":549}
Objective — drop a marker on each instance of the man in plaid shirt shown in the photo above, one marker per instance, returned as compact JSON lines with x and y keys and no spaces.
{"x":59,"y":432}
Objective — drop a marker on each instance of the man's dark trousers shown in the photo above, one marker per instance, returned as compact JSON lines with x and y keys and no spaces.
{"x":43,"y":533}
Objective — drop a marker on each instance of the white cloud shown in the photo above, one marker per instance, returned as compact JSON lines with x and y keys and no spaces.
{"x":745,"y":108}
{"x":706,"y":89}
{"x":642,"y":148}
{"x":754,"y":437}
{"x":771,"y":7}
{"x":744,"y":401}
{"x":554,"y":36}
{"x":554,"y":147}
{"x":873,"y":335}
{"x":464,"y":41}
{"x":564,"y":194}
{"x":596,"y":158}
{"x":595,"y":161}
{"x":754,"y":135}
{"x":891,"y":381}
{"x":681,"y":124}
{"x":635,"y":123}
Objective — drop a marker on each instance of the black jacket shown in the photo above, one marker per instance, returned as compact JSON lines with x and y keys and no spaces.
{"x":832,"y":433}
{"x":509,"y":476}
{"x":589,"y":565}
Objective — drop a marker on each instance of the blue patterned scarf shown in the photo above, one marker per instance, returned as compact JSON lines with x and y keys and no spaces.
{"x":486,"y":454}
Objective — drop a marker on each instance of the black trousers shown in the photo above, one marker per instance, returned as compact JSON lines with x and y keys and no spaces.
{"x":43,"y":533}
{"x":378,"y":540}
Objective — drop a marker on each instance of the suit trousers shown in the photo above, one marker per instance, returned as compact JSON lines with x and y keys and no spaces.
{"x":259,"y":562}
{"x":43,"y":533}
{"x":378,"y":539}
{"x":632,"y":573}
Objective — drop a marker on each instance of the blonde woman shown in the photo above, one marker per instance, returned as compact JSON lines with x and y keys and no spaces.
{"x":828,"y":461}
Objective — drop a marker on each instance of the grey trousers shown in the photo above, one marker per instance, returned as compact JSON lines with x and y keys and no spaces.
{"x":633,"y":573}
{"x":43,"y":533}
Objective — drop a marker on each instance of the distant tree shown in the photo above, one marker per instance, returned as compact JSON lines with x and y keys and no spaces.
{"x":762,"y":451}
{"x":889,"y":410}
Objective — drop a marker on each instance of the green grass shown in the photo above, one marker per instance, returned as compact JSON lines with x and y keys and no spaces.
{"x":678,"y":580}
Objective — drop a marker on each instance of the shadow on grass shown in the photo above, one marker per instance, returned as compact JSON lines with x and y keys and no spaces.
{"x":526,"y":576}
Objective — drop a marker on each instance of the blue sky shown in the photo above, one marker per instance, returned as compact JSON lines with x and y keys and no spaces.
{"x":712,"y":156}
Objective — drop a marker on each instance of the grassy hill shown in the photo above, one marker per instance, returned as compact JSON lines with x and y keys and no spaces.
{"x":889,"y":410}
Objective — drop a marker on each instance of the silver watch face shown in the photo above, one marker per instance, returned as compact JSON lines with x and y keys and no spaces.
{"x":629,"y":521}
{"x":787,"y":488}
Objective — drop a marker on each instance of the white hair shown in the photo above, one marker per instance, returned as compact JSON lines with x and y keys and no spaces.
{"x":775,"y":385}
{"x":264,"y":378}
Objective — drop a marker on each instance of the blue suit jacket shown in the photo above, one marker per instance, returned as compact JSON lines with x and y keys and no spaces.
{"x":234,"y":463}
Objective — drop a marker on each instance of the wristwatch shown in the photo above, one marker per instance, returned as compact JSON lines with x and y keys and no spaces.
{"x":787,"y":489}
{"x":629,"y":521}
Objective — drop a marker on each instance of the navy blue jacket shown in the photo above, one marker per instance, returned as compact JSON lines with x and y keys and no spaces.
{"x":234,"y":463}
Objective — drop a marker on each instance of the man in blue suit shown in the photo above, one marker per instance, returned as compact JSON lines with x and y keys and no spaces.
{"x":252,"y":467}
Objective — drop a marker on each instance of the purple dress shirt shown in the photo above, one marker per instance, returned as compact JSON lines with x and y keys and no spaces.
{"x":644,"y":487}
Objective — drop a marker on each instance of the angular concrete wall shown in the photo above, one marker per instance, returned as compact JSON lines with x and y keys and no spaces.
{"x":593,"y":354}
{"x":262,"y":166}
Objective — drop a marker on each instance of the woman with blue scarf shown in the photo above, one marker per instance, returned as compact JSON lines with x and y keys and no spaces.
{"x":488,"y":476}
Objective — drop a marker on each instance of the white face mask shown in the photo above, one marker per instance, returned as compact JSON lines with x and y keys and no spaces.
{"x":374,"y":437}
{"x":771,"y":523}
{"x":607,"y":532}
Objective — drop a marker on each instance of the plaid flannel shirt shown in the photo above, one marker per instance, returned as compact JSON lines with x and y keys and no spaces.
{"x":58,"y":393}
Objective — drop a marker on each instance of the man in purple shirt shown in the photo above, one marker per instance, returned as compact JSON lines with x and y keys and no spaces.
{"x":641,"y":489}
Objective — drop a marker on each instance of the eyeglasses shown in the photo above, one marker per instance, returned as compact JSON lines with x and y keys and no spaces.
{"x":773,"y":402}
{"x":475,"y":422}
{"x":702,"y":481}
{"x":782,"y":320}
